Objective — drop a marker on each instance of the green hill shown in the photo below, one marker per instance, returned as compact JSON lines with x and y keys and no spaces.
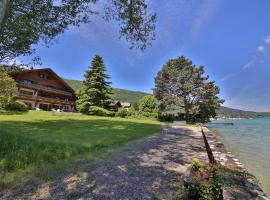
{"x":237,"y":113}
{"x":134,"y":97}
{"x":119,"y":94}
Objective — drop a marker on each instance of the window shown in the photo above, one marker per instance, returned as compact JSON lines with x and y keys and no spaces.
{"x":26,"y":81}
{"x":48,"y":77}
{"x":41,"y":75}
{"x":26,"y":92}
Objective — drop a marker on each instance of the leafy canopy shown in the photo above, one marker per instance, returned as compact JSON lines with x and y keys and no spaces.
{"x":183,"y":86}
{"x":7,"y":88}
{"x":24,"y":23}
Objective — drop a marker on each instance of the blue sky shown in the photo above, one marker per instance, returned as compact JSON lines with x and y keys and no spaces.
{"x":230,"y":38}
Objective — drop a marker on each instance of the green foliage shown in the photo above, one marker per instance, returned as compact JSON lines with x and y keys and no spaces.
{"x":12,"y":68}
{"x":196,"y":165}
{"x":24,"y":23}
{"x":236,"y":113}
{"x":96,"y":89}
{"x":119,"y":94}
{"x":7,"y":88}
{"x":16,"y":106}
{"x":38,"y":144}
{"x":152,"y":115}
{"x":98,"y":111}
{"x":84,"y":107}
{"x":207,"y":181}
{"x":182,"y":86}
{"x":148,"y":104}
{"x":122,"y":112}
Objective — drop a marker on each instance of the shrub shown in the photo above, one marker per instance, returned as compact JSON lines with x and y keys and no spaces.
{"x":95,"y":110}
{"x":149,"y":114}
{"x":16,"y":106}
{"x":122,"y":112}
{"x":84,"y":107}
{"x":149,"y":104}
{"x":132,"y":111}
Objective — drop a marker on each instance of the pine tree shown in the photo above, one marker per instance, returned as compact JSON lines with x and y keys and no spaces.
{"x":97,"y":90}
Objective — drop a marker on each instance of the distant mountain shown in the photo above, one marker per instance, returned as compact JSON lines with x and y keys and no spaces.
{"x":119,"y":94}
{"x":134,"y":97}
{"x":237,"y":113}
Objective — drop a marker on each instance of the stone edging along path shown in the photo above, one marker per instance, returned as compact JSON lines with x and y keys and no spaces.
{"x":218,"y":154}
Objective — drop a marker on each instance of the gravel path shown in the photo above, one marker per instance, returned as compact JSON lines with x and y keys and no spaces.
{"x":150,"y":168}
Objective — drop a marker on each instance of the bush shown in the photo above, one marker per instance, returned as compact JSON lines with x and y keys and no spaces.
{"x":16,"y":106}
{"x":148,"y":104}
{"x":95,"y":110}
{"x":84,"y":108}
{"x":122,"y":112}
{"x":149,"y":114}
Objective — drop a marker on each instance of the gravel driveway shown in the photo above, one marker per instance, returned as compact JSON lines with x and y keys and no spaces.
{"x":149,"y":168}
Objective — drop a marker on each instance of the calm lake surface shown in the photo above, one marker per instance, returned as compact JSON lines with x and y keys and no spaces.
{"x":249,"y":141}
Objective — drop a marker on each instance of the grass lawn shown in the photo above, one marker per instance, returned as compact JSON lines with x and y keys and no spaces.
{"x":37,"y":144}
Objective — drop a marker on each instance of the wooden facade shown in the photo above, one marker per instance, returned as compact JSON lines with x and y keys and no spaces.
{"x":44,"y":89}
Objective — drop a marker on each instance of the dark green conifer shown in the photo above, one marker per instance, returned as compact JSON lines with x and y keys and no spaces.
{"x":97,"y":90}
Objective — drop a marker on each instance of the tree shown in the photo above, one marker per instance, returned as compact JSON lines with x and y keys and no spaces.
{"x":181,"y":84}
{"x":27,"y":22}
{"x":97,"y":91}
{"x":149,"y":104}
{"x":7,"y":88}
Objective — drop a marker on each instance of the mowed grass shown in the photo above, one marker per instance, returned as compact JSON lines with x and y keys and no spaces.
{"x":37,"y":144}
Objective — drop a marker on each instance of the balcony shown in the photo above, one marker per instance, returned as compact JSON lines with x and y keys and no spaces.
{"x":44,"y":99}
{"x":44,"y":88}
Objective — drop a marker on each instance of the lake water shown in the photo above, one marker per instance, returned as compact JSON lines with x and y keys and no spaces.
{"x":249,"y":141}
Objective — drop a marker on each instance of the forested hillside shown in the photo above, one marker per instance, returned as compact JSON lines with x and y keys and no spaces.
{"x":119,"y":94}
{"x":236,"y":113}
{"x":134,"y":97}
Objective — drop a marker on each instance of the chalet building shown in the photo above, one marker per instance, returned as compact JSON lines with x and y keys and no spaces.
{"x":117,"y":104}
{"x":44,"y":89}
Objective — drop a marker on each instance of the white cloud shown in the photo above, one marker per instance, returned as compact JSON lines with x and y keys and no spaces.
{"x":227,"y":77}
{"x":15,"y":61}
{"x":249,"y":64}
{"x":204,"y":15}
{"x":267,"y":40}
{"x":261,"y":49}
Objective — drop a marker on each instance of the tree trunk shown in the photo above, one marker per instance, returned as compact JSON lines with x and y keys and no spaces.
{"x":186,"y":110}
{"x":4,"y":10}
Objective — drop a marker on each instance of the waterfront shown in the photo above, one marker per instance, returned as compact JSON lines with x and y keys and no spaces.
{"x":249,"y":141}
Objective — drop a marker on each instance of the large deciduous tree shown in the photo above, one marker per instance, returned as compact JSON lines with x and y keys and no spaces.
{"x":24,"y":23}
{"x":97,"y":90}
{"x":180,"y":84}
{"x":7,"y":88}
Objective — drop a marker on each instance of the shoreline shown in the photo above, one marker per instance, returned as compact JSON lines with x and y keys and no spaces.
{"x":218,"y":153}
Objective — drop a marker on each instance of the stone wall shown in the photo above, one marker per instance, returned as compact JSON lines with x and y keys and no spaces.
{"x":217,"y":154}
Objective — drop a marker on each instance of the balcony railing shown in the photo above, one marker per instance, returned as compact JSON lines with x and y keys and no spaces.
{"x":37,"y":86}
{"x":46,"y":99}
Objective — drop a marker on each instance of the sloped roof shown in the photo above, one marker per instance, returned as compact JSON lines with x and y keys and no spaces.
{"x":49,"y":70}
{"x":125,"y":104}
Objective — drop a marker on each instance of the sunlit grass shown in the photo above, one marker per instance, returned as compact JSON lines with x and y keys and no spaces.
{"x":33,"y":143}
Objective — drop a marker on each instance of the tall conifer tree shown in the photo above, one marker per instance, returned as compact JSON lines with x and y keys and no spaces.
{"x":97,"y":90}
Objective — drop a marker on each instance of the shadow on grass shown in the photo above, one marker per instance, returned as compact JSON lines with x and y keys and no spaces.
{"x":35,"y":144}
{"x":143,"y":171}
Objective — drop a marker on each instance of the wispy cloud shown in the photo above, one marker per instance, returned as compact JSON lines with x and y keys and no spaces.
{"x":227,"y":77}
{"x":204,"y":15}
{"x":249,"y":64}
{"x":261,"y":49}
{"x":267,"y":39}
